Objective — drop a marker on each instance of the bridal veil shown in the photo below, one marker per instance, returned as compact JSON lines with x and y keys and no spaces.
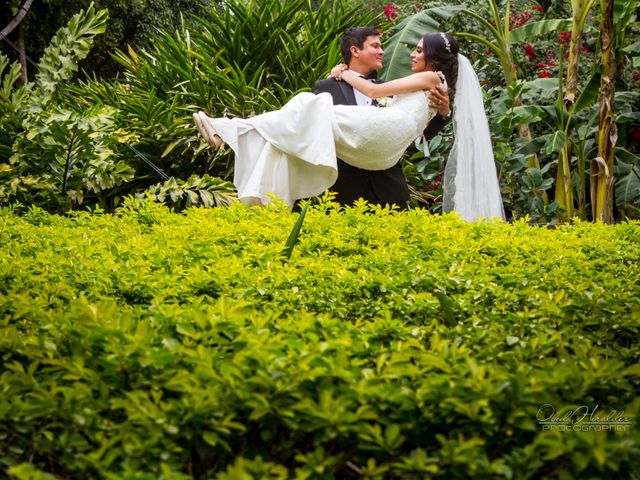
{"x":471,"y":186}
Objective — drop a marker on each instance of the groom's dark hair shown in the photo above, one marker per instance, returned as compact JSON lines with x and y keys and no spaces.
{"x":355,"y":36}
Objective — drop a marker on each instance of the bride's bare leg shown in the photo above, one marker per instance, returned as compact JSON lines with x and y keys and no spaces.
{"x":207,"y":131}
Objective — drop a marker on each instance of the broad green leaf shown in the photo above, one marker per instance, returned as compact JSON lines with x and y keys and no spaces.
{"x":557,"y":141}
{"x":627,"y":186}
{"x":530,"y":31}
{"x":526,"y":114}
{"x":404,"y":37}
{"x":633,"y":49}
{"x":628,"y":117}
{"x":534,"y":146}
{"x":624,"y":14}
{"x":589,"y":94}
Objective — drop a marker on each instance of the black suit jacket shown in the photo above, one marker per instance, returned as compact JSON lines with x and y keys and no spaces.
{"x":379,"y":187}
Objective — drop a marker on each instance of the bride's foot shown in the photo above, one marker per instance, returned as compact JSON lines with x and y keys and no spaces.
{"x":207,"y":131}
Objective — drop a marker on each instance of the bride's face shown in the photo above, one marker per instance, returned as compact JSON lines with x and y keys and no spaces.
{"x":418,"y":62}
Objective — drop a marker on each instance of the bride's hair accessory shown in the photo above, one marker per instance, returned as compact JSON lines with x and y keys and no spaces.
{"x":447,"y":44}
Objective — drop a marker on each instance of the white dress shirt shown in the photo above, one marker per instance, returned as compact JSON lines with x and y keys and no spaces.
{"x":361,"y":99}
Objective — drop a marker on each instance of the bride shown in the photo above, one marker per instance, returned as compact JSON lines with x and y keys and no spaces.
{"x":292,"y":152}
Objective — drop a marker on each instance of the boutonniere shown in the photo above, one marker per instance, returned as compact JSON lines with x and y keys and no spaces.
{"x":383,"y":101}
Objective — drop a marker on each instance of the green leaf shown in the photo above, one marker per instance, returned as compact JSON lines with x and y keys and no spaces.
{"x":589,"y":94}
{"x":447,"y":306}
{"x":70,"y":45}
{"x":628,"y":117}
{"x":534,"y":146}
{"x":530,"y":31}
{"x":511,"y":340}
{"x":295,"y":233}
{"x":633,"y":49}
{"x":627,"y":173}
{"x":404,"y":37}
{"x":557,"y":141}
{"x":526,"y":114}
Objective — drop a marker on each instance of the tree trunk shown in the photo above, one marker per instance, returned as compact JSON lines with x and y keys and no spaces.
{"x":22,"y":56}
{"x":17,"y":19}
{"x":579,"y":11}
{"x":9,"y":28}
{"x":602,"y":167}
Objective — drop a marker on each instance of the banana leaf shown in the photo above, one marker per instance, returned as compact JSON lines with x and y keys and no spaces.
{"x":556,"y":143}
{"x":404,"y":37}
{"x":531,"y":30}
{"x":627,"y":172}
{"x":589,"y":95}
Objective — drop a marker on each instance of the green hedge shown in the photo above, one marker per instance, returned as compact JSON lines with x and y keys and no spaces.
{"x":151,"y":345}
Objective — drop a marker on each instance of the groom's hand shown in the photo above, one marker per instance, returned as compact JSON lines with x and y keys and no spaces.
{"x":439,"y":101}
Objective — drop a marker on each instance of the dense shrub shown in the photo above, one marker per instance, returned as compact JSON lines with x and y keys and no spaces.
{"x":149,"y":344}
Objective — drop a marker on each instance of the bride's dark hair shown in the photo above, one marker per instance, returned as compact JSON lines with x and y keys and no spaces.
{"x":441,"y":49}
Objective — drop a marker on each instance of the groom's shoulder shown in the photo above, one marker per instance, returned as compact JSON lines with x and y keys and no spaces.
{"x":326,"y":85}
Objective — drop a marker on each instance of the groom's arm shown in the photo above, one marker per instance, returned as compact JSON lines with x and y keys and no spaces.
{"x":439,"y":101}
{"x":436,"y":124}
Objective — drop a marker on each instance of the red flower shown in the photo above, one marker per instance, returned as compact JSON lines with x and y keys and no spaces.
{"x":544,"y":74}
{"x":636,"y":74}
{"x":539,"y":8}
{"x":529,"y":51}
{"x":635,"y":133}
{"x":390,"y":12}
{"x":519,"y":19}
{"x":565,"y":38}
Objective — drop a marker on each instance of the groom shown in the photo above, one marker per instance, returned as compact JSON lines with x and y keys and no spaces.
{"x":362,"y":52}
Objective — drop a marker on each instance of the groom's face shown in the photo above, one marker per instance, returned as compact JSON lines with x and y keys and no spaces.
{"x":369,"y":57}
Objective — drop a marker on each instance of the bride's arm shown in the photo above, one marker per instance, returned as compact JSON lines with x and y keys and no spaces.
{"x":412,"y":83}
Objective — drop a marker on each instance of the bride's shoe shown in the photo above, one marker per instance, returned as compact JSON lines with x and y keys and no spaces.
{"x":207,"y":131}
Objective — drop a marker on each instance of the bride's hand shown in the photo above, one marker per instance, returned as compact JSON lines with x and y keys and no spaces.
{"x":336,"y":72}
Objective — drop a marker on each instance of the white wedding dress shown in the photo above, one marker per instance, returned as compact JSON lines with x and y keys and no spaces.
{"x":291,"y":152}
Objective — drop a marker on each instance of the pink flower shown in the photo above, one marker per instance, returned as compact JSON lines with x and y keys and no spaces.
{"x":390,"y":12}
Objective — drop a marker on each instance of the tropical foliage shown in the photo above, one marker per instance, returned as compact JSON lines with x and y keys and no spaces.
{"x":52,"y":154}
{"x":541,"y":63}
{"x":131,"y":23}
{"x":556,"y":120}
